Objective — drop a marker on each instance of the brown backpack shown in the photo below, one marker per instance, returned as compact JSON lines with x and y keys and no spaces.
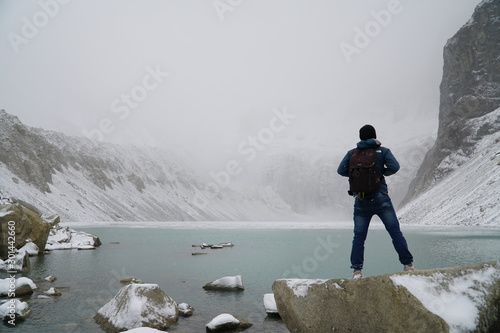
{"x":363,"y":174}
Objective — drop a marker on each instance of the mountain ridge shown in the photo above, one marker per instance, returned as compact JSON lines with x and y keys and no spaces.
{"x":86,"y":180}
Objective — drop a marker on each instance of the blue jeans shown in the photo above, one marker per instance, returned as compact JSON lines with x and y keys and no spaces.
{"x":376,"y":204}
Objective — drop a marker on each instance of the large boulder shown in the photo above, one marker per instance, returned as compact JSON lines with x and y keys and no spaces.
{"x":27,"y":225}
{"x":138,"y":305}
{"x":465,"y":299}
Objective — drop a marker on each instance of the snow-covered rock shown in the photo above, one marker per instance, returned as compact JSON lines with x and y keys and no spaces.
{"x":43,"y":297}
{"x":20,"y":263}
{"x":26,"y":223}
{"x":130,"y":280}
{"x":185,"y":310}
{"x":52,"y":292}
{"x":226,"y":322}
{"x":14,"y":309}
{"x":270,"y":304}
{"x":50,"y":278}
{"x":23,"y":286}
{"x":144,"y":330}
{"x":64,"y":238}
{"x":31,"y":248}
{"x":138,"y":305}
{"x":232,"y":283}
{"x":451,"y":300}
{"x":457,"y":298}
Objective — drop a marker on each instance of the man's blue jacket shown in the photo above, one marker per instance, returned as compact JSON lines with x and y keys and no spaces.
{"x":386,"y":162}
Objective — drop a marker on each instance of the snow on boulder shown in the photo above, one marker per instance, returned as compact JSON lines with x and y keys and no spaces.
{"x":20,"y":263}
{"x":138,"y":305}
{"x":451,"y":300}
{"x":27,"y":223}
{"x":50,"y":278}
{"x":144,"y":330}
{"x":52,"y":292}
{"x":14,"y":309}
{"x":270,"y":304}
{"x":22,"y":286}
{"x":231,"y":283}
{"x":185,"y":310}
{"x":64,"y":238}
{"x":31,"y":248}
{"x":226,"y":322}
{"x":460,"y":299}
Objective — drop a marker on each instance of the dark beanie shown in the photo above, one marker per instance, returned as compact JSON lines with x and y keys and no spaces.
{"x":367,"y":132}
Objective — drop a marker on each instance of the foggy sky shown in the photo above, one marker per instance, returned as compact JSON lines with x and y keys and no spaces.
{"x":202,"y":76}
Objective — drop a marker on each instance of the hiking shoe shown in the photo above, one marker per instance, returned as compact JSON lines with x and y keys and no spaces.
{"x":357,"y":274}
{"x":409,"y":268}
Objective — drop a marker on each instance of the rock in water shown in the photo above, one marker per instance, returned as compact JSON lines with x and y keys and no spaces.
{"x":24,"y":286}
{"x":227,"y":323}
{"x":227,"y":283}
{"x":138,"y":305}
{"x":270,"y":304}
{"x":185,"y":310}
{"x":27,"y":224}
{"x":14,"y":309}
{"x":464,"y":299}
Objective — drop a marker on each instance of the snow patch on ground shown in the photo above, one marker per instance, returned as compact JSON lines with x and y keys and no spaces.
{"x":456,"y":301}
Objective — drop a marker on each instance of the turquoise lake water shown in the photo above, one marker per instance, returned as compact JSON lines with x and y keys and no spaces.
{"x":163,"y":255}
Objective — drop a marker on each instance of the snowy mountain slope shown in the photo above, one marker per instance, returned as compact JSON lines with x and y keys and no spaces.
{"x":82,"y":180}
{"x":470,"y":88}
{"x":470,"y":193}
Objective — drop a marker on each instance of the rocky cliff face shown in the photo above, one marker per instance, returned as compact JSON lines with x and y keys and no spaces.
{"x":470,"y":89}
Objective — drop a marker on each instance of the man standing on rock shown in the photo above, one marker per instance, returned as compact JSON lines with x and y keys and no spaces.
{"x":371,"y":196}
